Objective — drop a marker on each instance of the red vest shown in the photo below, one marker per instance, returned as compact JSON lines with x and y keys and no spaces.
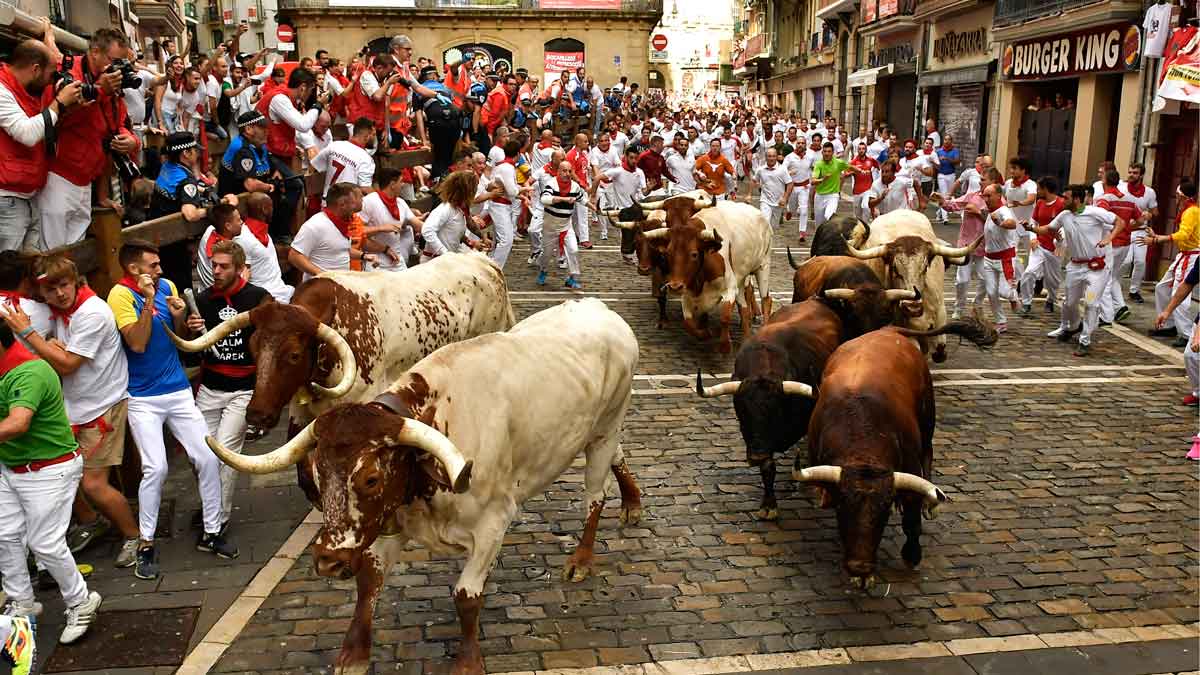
{"x":24,"y":168}
{"x":83,"y":159}
{"x":359,"y":105}
{"x":1113,"y":200}
{"x":281,"y":138}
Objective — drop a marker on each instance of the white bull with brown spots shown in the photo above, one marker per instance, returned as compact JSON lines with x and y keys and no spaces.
{"x":447,"y":454}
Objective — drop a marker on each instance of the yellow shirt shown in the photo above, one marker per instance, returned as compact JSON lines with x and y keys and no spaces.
{"x":1187,"y":237}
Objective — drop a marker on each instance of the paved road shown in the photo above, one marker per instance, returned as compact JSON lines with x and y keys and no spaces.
{"x":1072,"y":509}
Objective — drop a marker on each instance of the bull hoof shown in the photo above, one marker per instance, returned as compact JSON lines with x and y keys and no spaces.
{"x":578,"y":567}
{"x":939,"y":355}
{"x":468,"y":664}
{"x":767,"y":514}
{"x":911,"y":553}
{"x":631,"y":515}
{"x":357,"y":668}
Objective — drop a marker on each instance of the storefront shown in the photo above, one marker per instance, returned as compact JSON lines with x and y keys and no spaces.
{"x":954,"y":82}
{"x":1070,"y":100}
{"x":896,"y":85}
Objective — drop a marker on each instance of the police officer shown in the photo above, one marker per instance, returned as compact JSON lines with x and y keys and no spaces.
{"x":179,"y":190}
{"x":246,"y":165}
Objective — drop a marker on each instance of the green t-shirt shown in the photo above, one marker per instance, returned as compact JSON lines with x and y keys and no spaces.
{"x":828,"y":175}
{"x":35,"y":385}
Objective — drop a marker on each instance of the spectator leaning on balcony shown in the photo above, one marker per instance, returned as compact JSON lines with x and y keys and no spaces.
{"x":25,"y":92}
{"x":89,"y":133}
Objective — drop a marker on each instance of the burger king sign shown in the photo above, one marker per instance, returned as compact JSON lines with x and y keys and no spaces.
{"x":1103,"y":49}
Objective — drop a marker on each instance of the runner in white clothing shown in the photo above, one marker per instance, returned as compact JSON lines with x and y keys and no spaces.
{"x":775,"y":187}
{"x":890,"y":191}
{"x":799,"y":167}
{"x":388,"y":220}
{"x":349,"y":161}
{"x":681,"y":164}
{"x":1144,"y":197}
{"x":628,"y":184}
{"x":1000,"y":251}
{"x":451,"y":223}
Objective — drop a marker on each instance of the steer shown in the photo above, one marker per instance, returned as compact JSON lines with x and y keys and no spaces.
{"x":905,"y":253}
{"x":713,"y":248}
{"x":832,"y":236}
{"x":870,"y":440}
{"x":390,"y":321}
{"x":445,"y":456}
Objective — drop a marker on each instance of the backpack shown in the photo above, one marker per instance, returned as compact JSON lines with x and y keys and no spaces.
{"x":441,"y":112}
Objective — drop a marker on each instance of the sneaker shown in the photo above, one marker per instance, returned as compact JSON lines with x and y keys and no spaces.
{"x":1137,"y":297}
{"x":541,"y":280}
{"x":604,"y":236}
{"x":628,"y":259}
{"x":1179,"y":342}
{"x":216,"y":544}
{"x":532,"y":259}
{"x":84,"y":535}
{"x":1082,"y":349}
{"x":33,"y":608}
{"x":1049,"y":307}
{"x":573,"y":284}
{"x":1067,"y":335}
{"x":1026,"y":310}
{"x":562,"y":263}
{"x":1057,"y":333}
{"x":128,"y":555}
{"x":1163,"y":332}
{"x":80,"y":618}
{"x":1122,"y":314}
{"x":586,"y":244}
{"x":1104,"y":323}
{"x":146,"y":566}
{"x":1002,"y":328}
{"x":956,"y":315}
{"x":1191,"y":400}
{"x":18,"y":650}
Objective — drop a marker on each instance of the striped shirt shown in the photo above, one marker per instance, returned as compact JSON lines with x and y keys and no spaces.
{"x":559,"y":209}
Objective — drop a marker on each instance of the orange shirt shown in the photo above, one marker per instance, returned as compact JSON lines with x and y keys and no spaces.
{"x":714,"y":171}
{"x":356,"y":240}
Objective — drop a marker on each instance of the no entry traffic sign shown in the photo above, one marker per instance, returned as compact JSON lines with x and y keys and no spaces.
{"x":659,"y":42}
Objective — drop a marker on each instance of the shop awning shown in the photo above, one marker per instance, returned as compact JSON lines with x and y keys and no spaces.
{"x":867,"y":76}
{"x":942,"y":78}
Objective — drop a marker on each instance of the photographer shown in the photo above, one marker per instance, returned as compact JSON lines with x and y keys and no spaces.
{"x":98,"y":136}
{"x":25,"y":92}
{"x":283,"y":121}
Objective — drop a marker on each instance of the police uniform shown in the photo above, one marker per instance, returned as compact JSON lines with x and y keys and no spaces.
{"x":176,"y":186}
{"x":243,"y":159}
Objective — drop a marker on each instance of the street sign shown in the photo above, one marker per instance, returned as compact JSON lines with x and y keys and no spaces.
{"x":617,"y":60}
{"x":285,"y":46}
{"x":285,"y":33}
{"x":659,"y":42}
{"x":657,"y":56}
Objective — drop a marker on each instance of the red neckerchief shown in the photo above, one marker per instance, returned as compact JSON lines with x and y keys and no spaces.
{"x":131,"y":283}
{"x":13,"y":298}
{"x":258,"y":228}
{"x":1187,"y":204}
{"x":1110,"y":190}
{"x":912,"y":156}
{"x":227,"y":294}
{"x":212,"y":242}
{"x":14,"y":356}
{"x":1138,"y":192}
{"x":564,"y":186}
{"x":625,"y":165}
{"x":342,"y":225}
{"x":390,"y":203}
{"x":510,"y":160}
{"x":81,"y":296}
{"x":927,"y":152}
{"x":544,"y":145}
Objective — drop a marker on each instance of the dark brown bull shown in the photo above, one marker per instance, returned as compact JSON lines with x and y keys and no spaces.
{"x":870,"y":440}
{"x":862,"y":302}
{"x":832,"y":236}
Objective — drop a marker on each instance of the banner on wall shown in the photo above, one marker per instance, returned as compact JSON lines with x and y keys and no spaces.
{"x":556,"y":62}
{"x":579,"y":4}
{"x":1180,"y":79}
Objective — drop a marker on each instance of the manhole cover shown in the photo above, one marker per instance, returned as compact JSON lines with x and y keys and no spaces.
{"x":129,"y":639}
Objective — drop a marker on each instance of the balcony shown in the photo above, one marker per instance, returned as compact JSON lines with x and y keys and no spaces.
{"x":254,"y":12}
{"x":827,"y":10}
{"x":212,"y":14}
{"x":881,"y":17}
{"x":1010,"y":12}
{"x":622,"y":6}
{"x":189,"y":10}
{"x":158,"y":18}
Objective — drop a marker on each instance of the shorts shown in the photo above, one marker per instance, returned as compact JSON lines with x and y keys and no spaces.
{"x":102,"y":441}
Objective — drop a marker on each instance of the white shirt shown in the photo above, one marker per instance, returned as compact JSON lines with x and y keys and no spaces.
{"x":799,"y":166}
{"x":282,"y":110}
{"x":368,"y":83}
{"x":604,"y":160}
{"x":264,"y":265}
{"x":187,"y":110}
{"x":1158,"y":29}
{"x":170,"y":102}
{"x":26,"y":130}
{"x":913,"y":168}
{"x":681,"y":167}
{"x":320,"y":241}
{"x":375,"y":213}
{"x":972,"y":181}
{"x":345,"y":162}
{"x":541,"y":156}
{"x":242,"y":102}
{"x":996,"y":238}
{"x":1083,"y":231}
{"x":895,"y":193}
{"x":1015,"y":193}
{"x":729,"y":149}
{"x":135,"y":99}
{"x":619,"y":141}
{"x":1097,"y":189}
{"x":212,"y":89}
{"x":698,"y":147}
{"x":772,"y":183}
{"x":874,"y":150}
{"x":444,"y":229}
{"x":495,"y":155}
{"x":1148,"y":200}
{"x":103,"y":377}
{"x":626,"y":185}
{"x":937,"y":138}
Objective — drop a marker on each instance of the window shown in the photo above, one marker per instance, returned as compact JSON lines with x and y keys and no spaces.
{"x":217,"y":38}
{"x":262,"y":40}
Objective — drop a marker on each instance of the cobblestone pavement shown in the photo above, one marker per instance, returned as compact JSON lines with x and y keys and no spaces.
{"x":1071,"y":509}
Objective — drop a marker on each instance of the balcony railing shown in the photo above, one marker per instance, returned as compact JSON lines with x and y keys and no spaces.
{"x":624,"y":6}
{"x":1018,"y":11}
{"x":760,"y":45}
{"x":212,"y":14}
{"x":879,"y":10}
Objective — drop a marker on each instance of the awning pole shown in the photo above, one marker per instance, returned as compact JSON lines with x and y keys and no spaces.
{"x":29,"y":25}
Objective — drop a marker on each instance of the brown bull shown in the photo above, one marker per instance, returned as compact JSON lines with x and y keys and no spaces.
{"x":861,"y":301}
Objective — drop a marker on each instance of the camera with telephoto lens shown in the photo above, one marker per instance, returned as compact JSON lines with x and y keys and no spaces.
{"x":129,"y":77}
{"x":63,"y":77}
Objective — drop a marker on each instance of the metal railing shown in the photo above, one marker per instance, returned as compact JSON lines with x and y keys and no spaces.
{"x":1018,"y":11}
{"x":626,"y":6}
{"x":212,"y":14}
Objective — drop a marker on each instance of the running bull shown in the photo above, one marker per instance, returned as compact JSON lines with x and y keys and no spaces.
{"x":445,"y":456}
{"x":379,"y":323}
{"x":832,"y":236}
{"x":870,"y":440}
{"x":905,"y":253}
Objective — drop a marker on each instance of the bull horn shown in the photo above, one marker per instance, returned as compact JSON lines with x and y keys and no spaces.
{"x":840,"y":293}
{"x":798,"y":389}
{"x":345,"y":356}
{"x":211,"y":338}
{"x":710,"y":235}
{"x":281,"y":458}
{"x":818,"y":474}
{"x":868,"y":254}
{"x":702,"y":203}
{"x":613,"y":214}
{"x":624,"y":225}
{"x":894,"y":294}
{"x":420,"y":435}
{"x":724,"y":389}
{"x":657,"y":233}
{"x":952,"y":252}
{"x":931,"y":493}
{"x":650,"y":206}
{"x":792,"y":261}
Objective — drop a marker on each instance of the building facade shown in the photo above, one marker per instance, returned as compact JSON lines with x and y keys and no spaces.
{"x":697,"y":46}
{"x":608,"y":37}
{"x":216,"y":20}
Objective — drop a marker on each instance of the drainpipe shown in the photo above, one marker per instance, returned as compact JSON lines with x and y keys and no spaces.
{"x":24,"y":23}
{"x":1149,"y":74}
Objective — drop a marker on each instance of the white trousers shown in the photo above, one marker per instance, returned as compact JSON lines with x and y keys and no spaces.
{"x":824,"y":207}
{"x":502,"y":229}
{"x":1165,"y":288}
{"x":771,"y":211}
{"x":536,"y":215}
{"x":860,"y":207}
{"x":997,"y":288}
{"x":945,"y":181}
{"x":1088,"y":286}
{"x":178,"y":411}
{"x":35,"y":511}
{"x":1137,"y":257}
{"x":798,"y":205}
{"x":225,"y":416}
{"x":1191,"y":363}
{"x":66,"y":210}
{"x":962,"y":280}
{"x":1114,"y":298}
{"x":551,"y":228}
{"x":580,"y":218}
{"x":1042,"y":265}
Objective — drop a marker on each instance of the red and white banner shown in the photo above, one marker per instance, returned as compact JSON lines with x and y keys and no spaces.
{"x":556,"y":62}
{"x":1180,"y":80}
{"x":580,"y":4}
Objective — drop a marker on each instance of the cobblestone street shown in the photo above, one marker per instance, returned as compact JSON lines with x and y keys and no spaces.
{"x":1072,"y":509}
